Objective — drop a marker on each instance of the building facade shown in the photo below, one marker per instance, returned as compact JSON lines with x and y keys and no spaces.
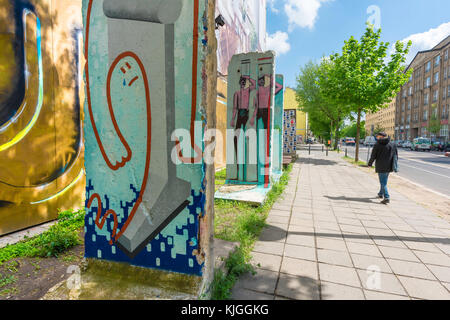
{"x":290,"y":103}
{"x":383,"y":119}
{"x":422,"y":105}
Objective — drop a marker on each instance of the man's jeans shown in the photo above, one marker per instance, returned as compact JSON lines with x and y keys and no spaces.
{"x":383,"y":183}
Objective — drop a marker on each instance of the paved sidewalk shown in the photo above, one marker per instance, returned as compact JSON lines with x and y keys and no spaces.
{"x":330,"y":238}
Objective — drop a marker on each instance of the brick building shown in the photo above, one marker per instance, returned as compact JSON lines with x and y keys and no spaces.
{"x":423,"y":102}
{"x":384,"y":118}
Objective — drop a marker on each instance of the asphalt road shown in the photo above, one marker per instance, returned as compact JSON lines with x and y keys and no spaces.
{"x":430,"y":169}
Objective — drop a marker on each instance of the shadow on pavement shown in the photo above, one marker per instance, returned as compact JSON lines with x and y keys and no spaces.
{"x":364,"y":200}
{"x":276,"y":234}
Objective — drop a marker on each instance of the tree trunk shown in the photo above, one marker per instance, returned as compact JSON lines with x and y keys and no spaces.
{"x":336,"y":135}
{"x":358,"y":132}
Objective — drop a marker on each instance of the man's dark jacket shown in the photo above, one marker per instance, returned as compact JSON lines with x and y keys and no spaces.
{"x":383,"y":152}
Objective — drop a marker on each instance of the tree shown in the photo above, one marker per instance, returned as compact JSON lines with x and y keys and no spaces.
{"x":378,"y":129}
{"x":434,"y":125}
{"x":324,"y":114}
{"x":361,"y":76}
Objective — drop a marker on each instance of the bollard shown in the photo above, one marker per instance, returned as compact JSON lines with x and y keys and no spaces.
{"x":368,"y":153}
{"x":322,"y":148}
{"x":346,"y":152}
{"x":327,"y":151}
{"x":309,"y":149}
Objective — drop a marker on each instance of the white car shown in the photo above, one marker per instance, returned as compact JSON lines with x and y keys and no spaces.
{"x":407,"y":145}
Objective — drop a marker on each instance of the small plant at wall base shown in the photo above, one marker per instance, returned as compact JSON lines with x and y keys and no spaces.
{"x":242,"y":223}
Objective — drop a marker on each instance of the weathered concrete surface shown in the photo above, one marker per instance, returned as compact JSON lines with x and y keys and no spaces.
{"x":104,"y":280}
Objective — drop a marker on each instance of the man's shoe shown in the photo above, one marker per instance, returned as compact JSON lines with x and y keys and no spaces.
{"x":380,"y":196}
{"x":385,"y":201}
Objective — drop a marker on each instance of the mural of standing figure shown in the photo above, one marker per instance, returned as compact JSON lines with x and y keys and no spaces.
{"x":262,"y":104}
{"x":252,"y":110}
{"x":241,"y":104}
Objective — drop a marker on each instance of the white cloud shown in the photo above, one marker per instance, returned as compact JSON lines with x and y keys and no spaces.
{"x":272,"y":7}
{"x":303,"y":13}
{"x":426,"y":40}
{"x":279,"y":42}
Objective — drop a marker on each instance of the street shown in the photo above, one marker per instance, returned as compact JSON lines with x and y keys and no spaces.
{"x":430,"y":169}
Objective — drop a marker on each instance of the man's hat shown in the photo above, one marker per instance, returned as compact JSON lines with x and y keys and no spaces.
{"x":383,"y":134}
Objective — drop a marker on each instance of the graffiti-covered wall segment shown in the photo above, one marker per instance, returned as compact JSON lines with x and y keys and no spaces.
{"x":251,"y":84}
{"x":142,"y":208}
{"x":41,"y":149}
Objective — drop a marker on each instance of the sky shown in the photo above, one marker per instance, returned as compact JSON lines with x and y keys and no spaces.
{"x":304,"y":30}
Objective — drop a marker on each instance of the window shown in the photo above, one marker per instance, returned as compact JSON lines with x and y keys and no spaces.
{"x":425,"y":115}
{"x":445,"y":73}
{"x":446,"y":55}
{"x":425,"y":99}
{"x":410,"y":91}
{"x":437,"y":60}
{"x":403,"y":119}
{"x":428,"y":66}
{"x":427,"y":82}
{"x":436,"y":77}
{"x":404,"y":93}
{"x":444,"y":95}
{"x":444,"y":130}
{"x":403,"y":106}
{"x":435,"y":95}
{"x":408,"y":119}
{"x":416,"y":102}
{"x":416,"y":117}
{"x":444,"y":113}
{"x":434,"y":113}
{"x":409,"y":105}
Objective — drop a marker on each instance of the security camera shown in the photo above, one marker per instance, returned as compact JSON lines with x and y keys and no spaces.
{"x":220,"y":22}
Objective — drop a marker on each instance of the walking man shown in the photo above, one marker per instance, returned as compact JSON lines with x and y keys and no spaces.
{"x":385,"y":154}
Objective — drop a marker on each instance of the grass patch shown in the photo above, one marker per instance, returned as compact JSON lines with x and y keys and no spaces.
{"x":221,"y":177}
{"x":60,"y":237}
{"x":240,"y":222}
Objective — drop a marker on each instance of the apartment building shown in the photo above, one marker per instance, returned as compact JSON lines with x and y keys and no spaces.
{"x":422,"y":105}
{"x":384,"y":118}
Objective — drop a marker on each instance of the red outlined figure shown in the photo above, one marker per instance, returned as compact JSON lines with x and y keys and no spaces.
{"x":125,"y":159}
{"x":129,"y":55}
{"x":262,"y":104}
{"x":194,"y":146}
{"x":241,"y":104}
{"x":99,"y":223}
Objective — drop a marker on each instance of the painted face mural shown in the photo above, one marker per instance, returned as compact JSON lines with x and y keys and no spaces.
{"x":251,"y":117}
{"x":41,"y":149}
{"x":142,"y":208}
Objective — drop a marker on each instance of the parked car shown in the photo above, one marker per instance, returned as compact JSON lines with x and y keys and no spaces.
{"x":437,"y":146}
{"x":370,"y":141}
{"x":399,"y":143}
{"x":421,"y":144}
{"x":407,"y":145}
{"x":446,"y":147}
{"x":350,"y":141}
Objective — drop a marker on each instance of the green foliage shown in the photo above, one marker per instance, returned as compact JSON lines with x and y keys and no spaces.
{"x":58,"y":238}
{"x":350,"y":130}
{"x":325,"y":115}
{"x":242,"y":223}
{"x":6,"y":280}
{"x":434,"y":124}
{"x":362,"y":77}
